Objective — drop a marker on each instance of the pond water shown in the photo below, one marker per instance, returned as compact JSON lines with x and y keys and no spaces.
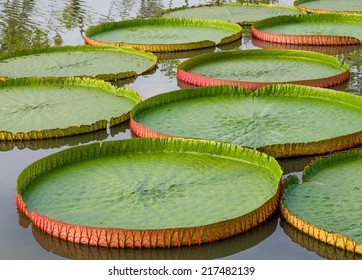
{"x":36,"y":23}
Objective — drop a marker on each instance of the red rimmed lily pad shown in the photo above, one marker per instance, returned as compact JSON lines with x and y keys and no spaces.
{"x":281,"y":120}
{"x":254,"y":69}
{"x":330,"y":6}
{"x":150,"y":192}
{"x":310,"y":29}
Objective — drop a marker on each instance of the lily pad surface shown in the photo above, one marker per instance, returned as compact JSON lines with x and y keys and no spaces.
{"x":164,"y":35}
{"x":281,"y":120}
{"x":327,"y":204}
{"x":240,"y":13}
{"x":40,"y":108}
{"x":310,"y":29}
{"x":107,"y":63}
{"x":330,"y":6}
{"x":150,"y":192}
{"x":253,"y":69}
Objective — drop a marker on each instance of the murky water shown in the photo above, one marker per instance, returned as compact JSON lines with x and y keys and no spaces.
{"x":38,"y":23}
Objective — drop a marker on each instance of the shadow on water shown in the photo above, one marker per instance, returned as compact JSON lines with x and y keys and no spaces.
{"x":297,"y":164}
{"x":70,"y":141}
{"x":214,"y":250}
{"x":188,"y":54}
{"x":331,"y":50}
{"x":311,"y":244}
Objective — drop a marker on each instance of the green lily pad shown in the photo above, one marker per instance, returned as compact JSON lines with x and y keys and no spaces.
{"x":107,"y":63}
{"x":330,"y":6}
{"x":41,"y":108}
{"x":281,"y":120}
{"x":164,"y":34}
{"x":240,"y":13}
{"x":135,"y":187}
{"x":327,"y":204}
{"x":257,"y":68}
{"x":310,"y":29}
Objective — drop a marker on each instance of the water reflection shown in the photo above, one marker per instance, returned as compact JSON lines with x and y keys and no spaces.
{"x":18,"y":31}
{"x":322,"y":249}
{"x":72,"y":16}
{"x":70,"y":141}
{"x":184,"y":54}
{"x":291,"y":165}
{"x":331,"y":50}
{"x":214,"y":250}
{"x":168,"y":61}
{"x":28,"y":24}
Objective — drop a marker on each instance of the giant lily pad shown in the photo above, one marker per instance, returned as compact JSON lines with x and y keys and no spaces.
{"x":327,"y":204}
{"x":330,"y":6}
{"x":240,"y":13}
{"x":107,"y":63}
{"x":310,"y":29}
{"x":253,"y":69}
{"x":164,"y":34}
{"x":150,"y":192}
{"x":41,"y":108}
{"x":281,"y":120}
